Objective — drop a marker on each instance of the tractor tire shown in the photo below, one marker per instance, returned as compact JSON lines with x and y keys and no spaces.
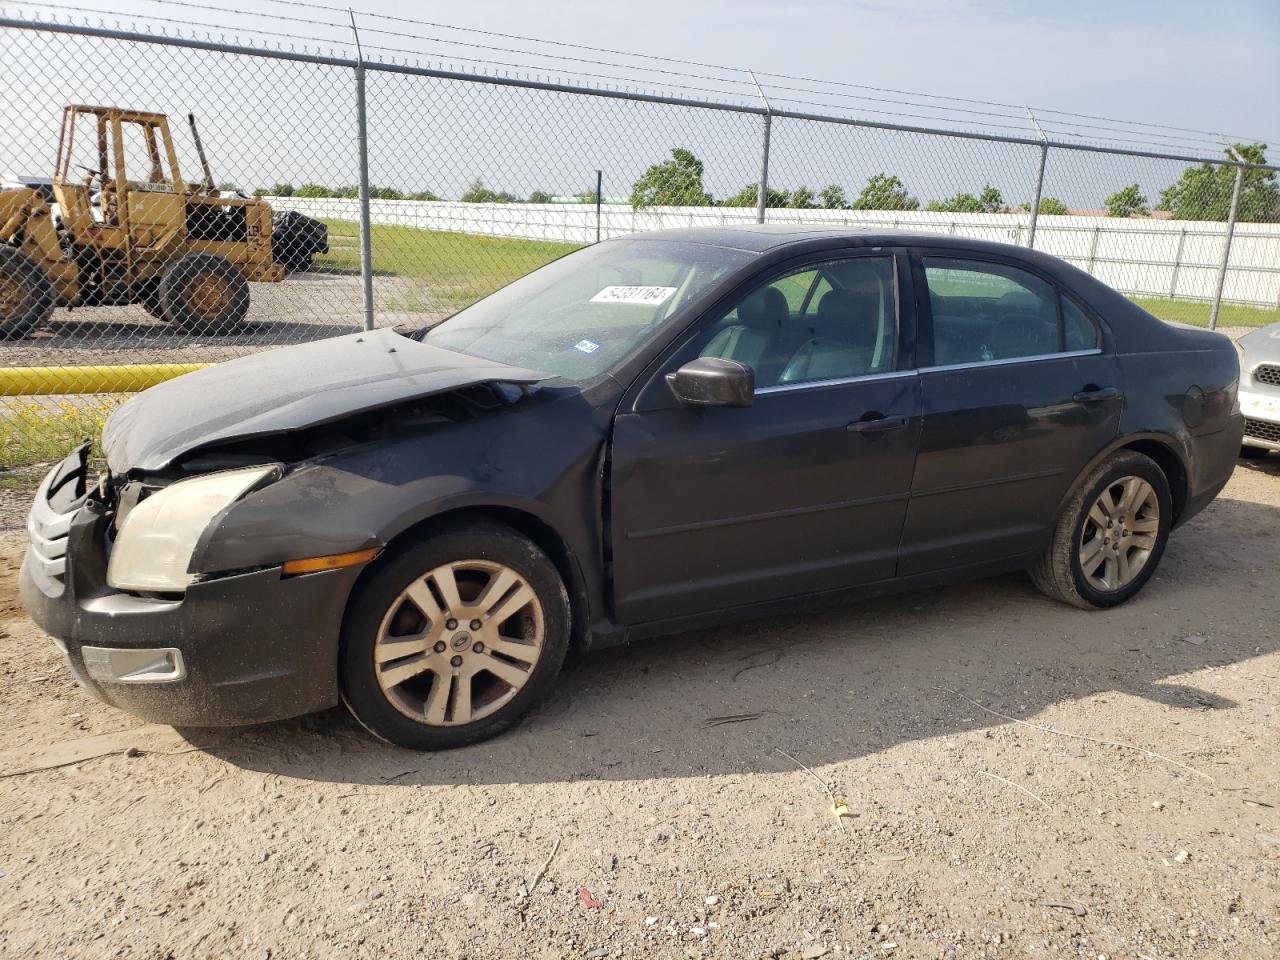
{"x":26,"y":295}
{"x":204,"y":294}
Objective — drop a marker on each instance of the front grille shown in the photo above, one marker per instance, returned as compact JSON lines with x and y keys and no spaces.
{"x":47,"y":530}
{"x":1268,"y":373}
{"x":1262,"y":430}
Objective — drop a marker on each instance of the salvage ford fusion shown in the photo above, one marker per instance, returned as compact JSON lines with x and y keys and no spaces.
{"x":648,"y":435}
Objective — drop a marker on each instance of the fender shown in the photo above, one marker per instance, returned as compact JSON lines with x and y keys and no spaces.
{"x":1178,"y":449}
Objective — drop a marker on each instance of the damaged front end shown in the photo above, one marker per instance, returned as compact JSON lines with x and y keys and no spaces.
{"x":167,"y":580}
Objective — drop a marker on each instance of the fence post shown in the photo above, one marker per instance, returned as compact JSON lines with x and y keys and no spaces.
{"x":1177,"y":262}
{"x":599,"y":184}
{"x":1035,"y":202}
{"x":362,"y":144}
{"x":1226,"y":241}
{"x":762,"y":187}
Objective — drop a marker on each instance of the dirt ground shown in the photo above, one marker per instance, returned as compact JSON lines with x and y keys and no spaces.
{"x":625,"y":820}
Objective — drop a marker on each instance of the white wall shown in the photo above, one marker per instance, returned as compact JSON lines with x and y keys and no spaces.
{"x":1161,"y":258}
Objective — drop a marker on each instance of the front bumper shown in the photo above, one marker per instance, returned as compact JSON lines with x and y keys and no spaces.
{"x":1262,"y":419}
{"x":246,"y":648}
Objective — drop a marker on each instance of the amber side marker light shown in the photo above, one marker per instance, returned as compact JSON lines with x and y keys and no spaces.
{"x":333,"y":561}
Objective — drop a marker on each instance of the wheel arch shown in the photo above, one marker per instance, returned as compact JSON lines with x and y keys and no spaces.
{"x":522,"y":521}
{"x":1168,"y":455}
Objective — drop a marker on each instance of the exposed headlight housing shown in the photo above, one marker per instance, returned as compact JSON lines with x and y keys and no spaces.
{"x":154,"y":546}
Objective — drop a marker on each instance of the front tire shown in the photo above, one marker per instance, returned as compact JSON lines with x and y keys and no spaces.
{"x":450,"y":641}
{"x":203,"y":293}
{"x":1110,"y":536}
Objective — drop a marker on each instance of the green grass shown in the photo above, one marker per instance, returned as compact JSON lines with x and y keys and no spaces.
{"x":1197,"y":314}
{"x":443,"y":271}
{"x":34,"y":434}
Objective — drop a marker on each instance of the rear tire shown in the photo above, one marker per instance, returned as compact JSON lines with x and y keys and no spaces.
{"x":26,"y":295}
{"x":203,"y":293}
{"x":449,"y":641}
{"x":1110,"y":536}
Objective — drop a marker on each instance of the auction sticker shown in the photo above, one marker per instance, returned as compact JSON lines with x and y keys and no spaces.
{"x":644,"y":296}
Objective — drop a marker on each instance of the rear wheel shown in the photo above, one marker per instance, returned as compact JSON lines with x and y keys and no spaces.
{"x":452,"y":640}
{"x":26,"y":295}
{"x":204,"y":293}
{"x":1110,"y":536}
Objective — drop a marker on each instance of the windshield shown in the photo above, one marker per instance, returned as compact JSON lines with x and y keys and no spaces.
{"x":580,"y":315}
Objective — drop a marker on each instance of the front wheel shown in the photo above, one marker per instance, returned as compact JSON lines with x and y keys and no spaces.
{"x":1110,"y":536}
{"x":450,"y":641}
{"x":204,"y":293}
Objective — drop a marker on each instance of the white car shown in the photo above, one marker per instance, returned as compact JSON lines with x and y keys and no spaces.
{"x":1260,"y":390}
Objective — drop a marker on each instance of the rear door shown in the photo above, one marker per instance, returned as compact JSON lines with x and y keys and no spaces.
{"x":1018,"y":395}
{"x":803,"y":491}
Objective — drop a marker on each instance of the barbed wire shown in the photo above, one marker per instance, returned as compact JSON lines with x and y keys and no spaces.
{"x":655,"y":79}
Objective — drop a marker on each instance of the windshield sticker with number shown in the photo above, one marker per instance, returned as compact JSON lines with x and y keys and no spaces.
{"x":644,"y":296}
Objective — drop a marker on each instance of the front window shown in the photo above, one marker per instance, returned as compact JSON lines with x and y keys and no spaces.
{"x":582,"y":314}
{"x":828,"y":321}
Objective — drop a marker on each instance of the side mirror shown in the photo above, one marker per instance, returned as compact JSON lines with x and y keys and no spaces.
{"x":713,"y":382}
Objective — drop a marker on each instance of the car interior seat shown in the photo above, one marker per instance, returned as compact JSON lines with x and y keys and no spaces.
{"x":756,"y":337}
{"x":843,"y":336}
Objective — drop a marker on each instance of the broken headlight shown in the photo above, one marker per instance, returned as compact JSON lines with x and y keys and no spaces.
{"x":154,"y":546}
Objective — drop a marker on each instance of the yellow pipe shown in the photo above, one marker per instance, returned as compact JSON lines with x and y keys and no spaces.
{"x":53,"y":381}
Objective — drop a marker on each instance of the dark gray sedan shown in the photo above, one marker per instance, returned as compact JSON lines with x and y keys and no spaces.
{"x":649,"y":435}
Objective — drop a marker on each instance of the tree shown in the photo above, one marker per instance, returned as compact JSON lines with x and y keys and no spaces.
{"x":676,"y":182}
{"x":423,"y":195}
{"x":383,"y":193}
{"x":832,"y":197}
{"x":749,"y":196}
{"x":277,"y":190}
{"x":539,"y":196}
{"x":1126,"y":202}
{"x":1204,"y":192}
{"x":1052,"y":207}
{"x":314,"y":190}
{"x":885,"y":192}
{"x":988,"y":201}
{"x":479,"y":193}
{"x":801,"y":199}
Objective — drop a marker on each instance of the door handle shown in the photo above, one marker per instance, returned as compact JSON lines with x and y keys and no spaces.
{"x":1092,"y":394}
{"x":873,"y":423}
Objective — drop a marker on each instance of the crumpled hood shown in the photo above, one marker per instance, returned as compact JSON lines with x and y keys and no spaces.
{"x":288,"y":389}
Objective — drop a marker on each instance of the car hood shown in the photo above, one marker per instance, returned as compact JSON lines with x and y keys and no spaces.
{"x":278,"y":391}
{"x":1262,"y":345}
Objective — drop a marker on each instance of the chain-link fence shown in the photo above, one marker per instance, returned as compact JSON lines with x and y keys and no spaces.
{"x":172,"y":201}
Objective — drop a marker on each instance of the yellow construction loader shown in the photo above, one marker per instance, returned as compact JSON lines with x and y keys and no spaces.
{"x":107,"y":234}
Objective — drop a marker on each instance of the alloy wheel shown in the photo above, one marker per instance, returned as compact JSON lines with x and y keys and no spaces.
{"x":1119,"y":534}
{"x":459,"y":643}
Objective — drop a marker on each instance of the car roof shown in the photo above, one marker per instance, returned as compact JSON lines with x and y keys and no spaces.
{"x":766,"y":237}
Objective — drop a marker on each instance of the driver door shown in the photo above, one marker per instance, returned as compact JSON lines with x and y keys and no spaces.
{"x":801,"y":492}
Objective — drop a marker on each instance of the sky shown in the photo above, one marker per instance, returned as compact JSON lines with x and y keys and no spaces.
{"x":1210,"y":67}
{"x":1189,"y":64}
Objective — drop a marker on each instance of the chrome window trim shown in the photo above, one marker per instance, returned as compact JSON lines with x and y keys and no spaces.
{"x":814,"y":384}
{"x":895,"y":374}
{"x":1011,"y":360}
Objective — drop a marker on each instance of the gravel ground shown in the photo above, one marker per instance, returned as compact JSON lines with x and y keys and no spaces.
{"x":305,"y":307}
{"x":960,"y":726}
